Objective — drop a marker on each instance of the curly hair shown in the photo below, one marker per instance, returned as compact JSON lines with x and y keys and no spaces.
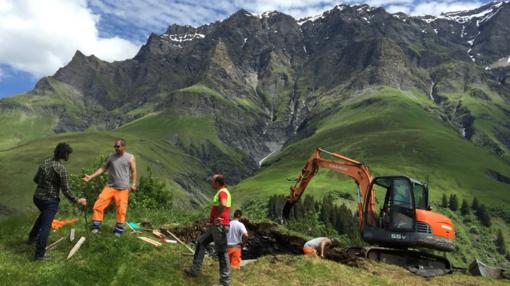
{"x":62,"y":151}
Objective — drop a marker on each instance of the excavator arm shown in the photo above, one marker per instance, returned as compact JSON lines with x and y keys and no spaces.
{"x":341,"y":164}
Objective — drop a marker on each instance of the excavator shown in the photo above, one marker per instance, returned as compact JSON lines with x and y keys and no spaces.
{"x":403,"y":224}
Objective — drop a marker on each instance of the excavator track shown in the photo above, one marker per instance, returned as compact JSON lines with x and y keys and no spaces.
{"x":419,"y":263}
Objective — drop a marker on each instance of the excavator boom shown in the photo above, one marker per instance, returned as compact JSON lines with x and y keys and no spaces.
{"x":341,"y":164}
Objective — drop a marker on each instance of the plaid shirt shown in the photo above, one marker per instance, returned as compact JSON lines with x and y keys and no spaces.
{"x":51,"y":177}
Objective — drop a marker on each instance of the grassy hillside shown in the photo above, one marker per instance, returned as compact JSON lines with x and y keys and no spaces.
{"x":152,"y":139}
{"x":393,"y":132}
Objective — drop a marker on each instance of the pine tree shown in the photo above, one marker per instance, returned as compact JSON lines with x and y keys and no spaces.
{"x":327,"y":208}
{"x":474,"y":204}
{"x":454,"y":203}
{"x":464,"y":209}
{"x":500,"y":243}
{"x":483,"y":215}
{"x":444,"y":201}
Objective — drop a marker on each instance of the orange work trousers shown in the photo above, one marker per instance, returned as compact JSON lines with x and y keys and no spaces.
{"x":309,"y":250}
{"x":234,"y":255}
{"x":120,"y":197}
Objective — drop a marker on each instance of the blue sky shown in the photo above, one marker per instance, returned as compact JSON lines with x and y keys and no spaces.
{"x":37,"y":37}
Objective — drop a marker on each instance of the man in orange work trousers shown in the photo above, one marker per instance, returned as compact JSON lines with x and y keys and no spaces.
{"x":236,"y":239}
{"x":121,"y":168}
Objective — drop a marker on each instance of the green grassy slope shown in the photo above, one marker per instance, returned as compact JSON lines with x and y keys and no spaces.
{"x":393,"y":133}
{"x":157,"y":141}
{"x":106,"y":260}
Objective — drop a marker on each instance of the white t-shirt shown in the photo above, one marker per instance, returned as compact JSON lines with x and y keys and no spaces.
{"x":315,"y":243}
{"x":235,"y":233}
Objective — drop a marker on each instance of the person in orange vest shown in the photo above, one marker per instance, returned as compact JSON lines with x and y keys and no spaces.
{"x":121,"y":167}
{"x":217,"y":231}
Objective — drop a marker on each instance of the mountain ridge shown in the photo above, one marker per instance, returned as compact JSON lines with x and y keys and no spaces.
{"x":266,"y":81}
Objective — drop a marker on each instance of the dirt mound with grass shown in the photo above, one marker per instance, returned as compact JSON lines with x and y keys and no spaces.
{"x":264,"y":239}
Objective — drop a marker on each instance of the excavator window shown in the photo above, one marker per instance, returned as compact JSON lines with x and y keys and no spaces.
{"x":420,"y":196}
{"x":401,"y":193}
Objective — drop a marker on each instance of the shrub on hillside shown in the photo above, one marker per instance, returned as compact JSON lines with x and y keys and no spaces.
{"x":483,"y":215}
{"x":464,"y":209}
{"x":500,"y":243}
{"x":474,"y":204}
{"x":454,"y":202}
{"x":444,"y":201}
{"x":151,"y":193}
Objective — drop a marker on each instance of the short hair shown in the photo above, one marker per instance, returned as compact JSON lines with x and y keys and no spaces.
{"x":62,"y":151}
{"x":219,"y":179}
{"x":122,"y":141}
{"x":238,"y":213}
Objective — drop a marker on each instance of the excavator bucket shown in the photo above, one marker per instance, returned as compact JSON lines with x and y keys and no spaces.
{"x":286,"y":210}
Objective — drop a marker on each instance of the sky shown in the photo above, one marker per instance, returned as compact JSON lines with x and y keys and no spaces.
{"x":37,"y":37}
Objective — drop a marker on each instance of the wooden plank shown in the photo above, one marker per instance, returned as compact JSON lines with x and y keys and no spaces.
{"x":72,"y":234}
{"x":178,"y":240}
{"x":76,"y":247}
{"x":55,"y":243}
{"x":151,"y":241}
{"x":158,"y":234}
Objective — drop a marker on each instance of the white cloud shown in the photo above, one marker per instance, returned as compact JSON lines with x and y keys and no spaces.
{"x":156,"y":15}
{"x":437,"y":7}
{"x":38,"y":37}
{"x":398,"y":8}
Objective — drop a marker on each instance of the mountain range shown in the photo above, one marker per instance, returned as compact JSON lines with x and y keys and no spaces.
{"x":251,"y":96}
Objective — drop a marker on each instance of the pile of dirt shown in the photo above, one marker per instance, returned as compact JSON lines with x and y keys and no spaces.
{"x":264,"y":239}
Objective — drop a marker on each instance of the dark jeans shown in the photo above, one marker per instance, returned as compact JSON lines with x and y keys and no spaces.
{"x":41,"y":229}
{"x":218,"y":234}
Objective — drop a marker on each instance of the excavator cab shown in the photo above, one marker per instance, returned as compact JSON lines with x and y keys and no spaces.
{"x":397,"y":215}
{"x":398,"y":210}
{"x":404,"y":219}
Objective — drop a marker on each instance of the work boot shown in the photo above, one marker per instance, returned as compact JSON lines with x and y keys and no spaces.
{"x":118,"y":230}
{"x":43,"y":258}
{"x":96,"y":225}
{"x":190,"y":273}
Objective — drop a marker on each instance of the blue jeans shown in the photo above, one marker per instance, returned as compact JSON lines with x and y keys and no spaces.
{"x":41,"y":229}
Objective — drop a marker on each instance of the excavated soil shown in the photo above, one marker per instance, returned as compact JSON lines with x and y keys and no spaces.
{"x":264,"y":239}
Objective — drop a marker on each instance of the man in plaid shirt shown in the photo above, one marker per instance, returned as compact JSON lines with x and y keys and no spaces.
{"x":51,"y":177}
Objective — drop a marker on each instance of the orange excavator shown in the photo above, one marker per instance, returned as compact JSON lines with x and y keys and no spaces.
{"x":403,"y":222}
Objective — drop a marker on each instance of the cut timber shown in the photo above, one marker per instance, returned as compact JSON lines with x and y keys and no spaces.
{"x":178,"y":240}
{"x":158,"y":234}
{"x":55,"y":243}
{"x":72,"y":234}
{"x":76,"y":247}
{"x":151,"y":241}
